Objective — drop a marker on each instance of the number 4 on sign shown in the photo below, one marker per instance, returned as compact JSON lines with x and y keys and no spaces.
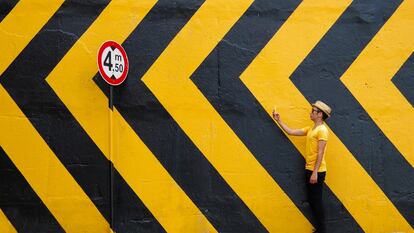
{"x":107,"y":61}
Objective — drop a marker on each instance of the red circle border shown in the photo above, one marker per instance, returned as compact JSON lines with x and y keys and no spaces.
{"x":109,"y":80}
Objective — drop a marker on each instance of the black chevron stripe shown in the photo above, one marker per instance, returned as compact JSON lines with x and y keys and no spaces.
{"x":5,"y":7}
{"x":24,"y":81}
{"x":218,"y":78}
{"x":404,"y":79}
{"x":20,"y":203}
{"x":318,"y":77}
{"x":185,"y":163}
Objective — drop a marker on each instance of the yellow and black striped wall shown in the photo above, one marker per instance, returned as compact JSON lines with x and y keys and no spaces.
{"x":190,"y":145}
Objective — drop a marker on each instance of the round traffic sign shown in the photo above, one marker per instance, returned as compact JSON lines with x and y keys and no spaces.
{"x":113,"y":63}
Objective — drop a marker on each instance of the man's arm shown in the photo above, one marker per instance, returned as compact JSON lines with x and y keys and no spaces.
{"x":289,"y":131}
{"x":321,"y":149}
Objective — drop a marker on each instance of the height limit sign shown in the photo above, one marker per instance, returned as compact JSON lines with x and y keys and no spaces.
{"x":113,"y":63}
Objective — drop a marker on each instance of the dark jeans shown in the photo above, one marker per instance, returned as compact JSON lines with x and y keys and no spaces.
{"x":315,"y":193}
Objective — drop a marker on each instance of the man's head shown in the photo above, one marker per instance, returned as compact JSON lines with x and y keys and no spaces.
{"x":320,"y":110}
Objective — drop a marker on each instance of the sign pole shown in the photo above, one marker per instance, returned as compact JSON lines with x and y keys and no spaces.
{"x":113,"y":66}
{"x":111,"y":150}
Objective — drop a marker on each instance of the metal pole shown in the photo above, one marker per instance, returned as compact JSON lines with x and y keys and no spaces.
{"x":111,"y":150}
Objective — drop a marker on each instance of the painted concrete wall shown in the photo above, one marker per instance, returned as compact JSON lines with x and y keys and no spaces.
{"x":190,"y":145}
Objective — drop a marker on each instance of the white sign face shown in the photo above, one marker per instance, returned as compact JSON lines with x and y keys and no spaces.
{"x":112,"y":63}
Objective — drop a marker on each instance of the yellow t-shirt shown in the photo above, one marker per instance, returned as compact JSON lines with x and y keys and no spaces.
{"x":311,"y":153}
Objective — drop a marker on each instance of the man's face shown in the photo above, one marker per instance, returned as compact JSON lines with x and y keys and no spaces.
{"x":314,"y":114}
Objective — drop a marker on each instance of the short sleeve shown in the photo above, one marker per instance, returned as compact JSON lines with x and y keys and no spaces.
{"x":322,"y":134}
{"x":306,"y":129}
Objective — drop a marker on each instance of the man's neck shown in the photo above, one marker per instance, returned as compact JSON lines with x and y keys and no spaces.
{"x":317,"y":123}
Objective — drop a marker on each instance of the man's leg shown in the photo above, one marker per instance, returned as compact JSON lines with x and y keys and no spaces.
{"x":315,"y":193}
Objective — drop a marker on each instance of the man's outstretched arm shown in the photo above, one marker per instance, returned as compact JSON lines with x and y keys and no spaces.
{"x":289,"y":131}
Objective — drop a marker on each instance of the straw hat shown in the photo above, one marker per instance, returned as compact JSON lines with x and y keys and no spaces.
{"x":323,"y":107}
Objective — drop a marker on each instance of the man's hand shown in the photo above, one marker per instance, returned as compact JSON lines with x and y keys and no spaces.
{"x":276,"y":116}
{"x":314,"y":178}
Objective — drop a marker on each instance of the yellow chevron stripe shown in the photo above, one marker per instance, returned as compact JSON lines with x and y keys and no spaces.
{"x":168,"y":79}
{"x":369,"y":79}
{"x":46,"y":175}
{"x":135,"y":162}
{"x":13,"y":36}
{"x":268,"y":79}
{"x":5,"y":225}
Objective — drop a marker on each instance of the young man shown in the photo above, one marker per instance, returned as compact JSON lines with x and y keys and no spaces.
{"x":315,"y":168}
